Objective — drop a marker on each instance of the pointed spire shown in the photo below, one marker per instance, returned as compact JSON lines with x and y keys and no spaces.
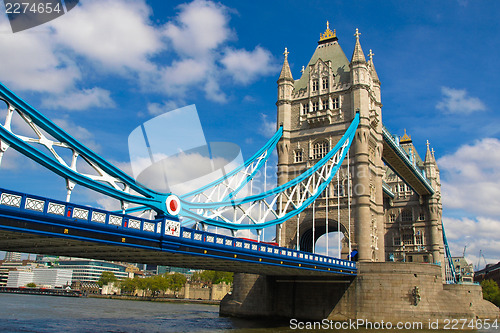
{"x":428,"y":154}
{"x":371,"y":54}
{"x":286,"y":73}
{"x":373,"y":72}
{"x":357,"y":55}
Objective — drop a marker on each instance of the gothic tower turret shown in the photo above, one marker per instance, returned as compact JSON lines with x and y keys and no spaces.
{"x":367,"y":150}
{"x":434,"y":208}
{"x":284,"y":104}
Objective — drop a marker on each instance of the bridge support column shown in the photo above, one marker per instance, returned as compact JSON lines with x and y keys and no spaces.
{"x":381,"y":291}
{"x":361,"y":192}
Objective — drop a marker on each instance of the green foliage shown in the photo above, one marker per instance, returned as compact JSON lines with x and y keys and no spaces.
{"x":31,"y":285}
{"x":129,"y":286}
{"x":106,"y":277}
{"x":154,"y":284}
{"x":491,"y":291}
{"x":176,"y":281}
{"x":213,"y":277}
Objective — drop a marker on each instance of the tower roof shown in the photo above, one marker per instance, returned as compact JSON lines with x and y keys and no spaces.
{"x":429,"y":156}
{"x":405,"y":138}
{"x":357,"y":55}
{"x":286,"y":73}
{"x":328,"y":35}
{"x":328,"y":49}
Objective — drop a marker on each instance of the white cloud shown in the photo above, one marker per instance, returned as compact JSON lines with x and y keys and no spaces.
{"x":29,"y":62}
{"x":245,"y":66}
{"x":81,"y":100}
{"x":188,"y":54}
{"x":471,"y":178}
{"x":180,"y":75}
{"x":458,"y":101}
{"x":115,"y":33}
{"x":79,"y":133}
{"x":155,"y":109}
{"x":267,"y":127}
{"x":477,"y":234}
{"x":200,"y":27}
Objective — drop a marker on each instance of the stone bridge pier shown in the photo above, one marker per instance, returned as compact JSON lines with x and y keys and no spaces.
{"x":393,"y":292}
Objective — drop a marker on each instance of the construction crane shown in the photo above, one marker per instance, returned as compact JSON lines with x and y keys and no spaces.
{"x":481,"y":255}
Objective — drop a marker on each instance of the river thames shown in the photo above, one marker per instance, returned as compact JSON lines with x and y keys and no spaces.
{"x":31,"y":313}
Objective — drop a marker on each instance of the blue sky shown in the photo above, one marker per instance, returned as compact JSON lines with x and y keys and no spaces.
{"x":108,"y":66}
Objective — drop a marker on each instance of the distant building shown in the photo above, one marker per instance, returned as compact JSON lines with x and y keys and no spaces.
{"x":12,"y":256}
{"x":52,"y":277}
{"x":18,"y":279}
{"x":463,"y":270}
{"x":42,"y":277}
{"x":491,"y":271}
{"x":7,"y":266}
{"x":90,"y":270}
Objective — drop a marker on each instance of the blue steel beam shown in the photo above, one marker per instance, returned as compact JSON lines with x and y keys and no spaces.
{"x":393,"y":154}
{"x":52,"y":222}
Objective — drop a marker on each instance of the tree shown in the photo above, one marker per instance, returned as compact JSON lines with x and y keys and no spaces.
{"x":213,"y":277}
{"x":158,"y":283}
{"x":491,"y":291}
{"x":106,"y":277}
{"x":31,"y":285}
{"x":176,"y":281}
{"x":129,"y":285}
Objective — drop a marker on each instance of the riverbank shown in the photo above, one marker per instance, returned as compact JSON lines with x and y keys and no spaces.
{"x":156,"y":299}
{"x":41,"y":291}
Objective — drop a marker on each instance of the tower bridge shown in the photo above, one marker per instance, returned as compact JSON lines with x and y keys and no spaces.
{"x":383,"y":198}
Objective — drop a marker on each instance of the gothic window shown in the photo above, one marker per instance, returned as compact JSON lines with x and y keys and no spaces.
{"x":325,"y":83}
{"x":305,"y":107}
{"x":396,"y":241}
{"x":315,"y":106}
{"x":298,"y":156}
{"x":407,"y":238}
{"x":419,"y":238}
{"x":325,"y":192}
{"x":325,"y":104}
{"x":392,"y":218}
{"x":421,"y":216}
{"x":338,"y":190}
{"x":406,"y":215}
{"x":401,"y":187}
{"x":315,"y":85}
{"x":335,"y":103}
{"x":320,"y":149}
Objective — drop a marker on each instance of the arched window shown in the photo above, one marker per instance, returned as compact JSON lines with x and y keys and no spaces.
{"x":298,"y":156}
{"x":320,"y":149}
{"x":325,"y":83}
{"x":315,"y":86}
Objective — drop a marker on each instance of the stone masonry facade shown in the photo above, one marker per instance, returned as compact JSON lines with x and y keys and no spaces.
{"x":388,"y":220}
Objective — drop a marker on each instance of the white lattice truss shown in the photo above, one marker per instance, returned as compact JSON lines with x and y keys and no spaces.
{"x":230,"y":186}
{"x":272,"y":207}
{"x":114,"y":183}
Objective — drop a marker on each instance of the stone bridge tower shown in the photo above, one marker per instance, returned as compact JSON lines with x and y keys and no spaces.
{"x":315,"y":111}
{"x":395,"y":216}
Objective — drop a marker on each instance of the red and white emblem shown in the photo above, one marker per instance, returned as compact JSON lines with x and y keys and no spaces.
{"x":173,"y":205}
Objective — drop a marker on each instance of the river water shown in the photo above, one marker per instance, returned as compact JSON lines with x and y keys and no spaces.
{"x":31,"y":313}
